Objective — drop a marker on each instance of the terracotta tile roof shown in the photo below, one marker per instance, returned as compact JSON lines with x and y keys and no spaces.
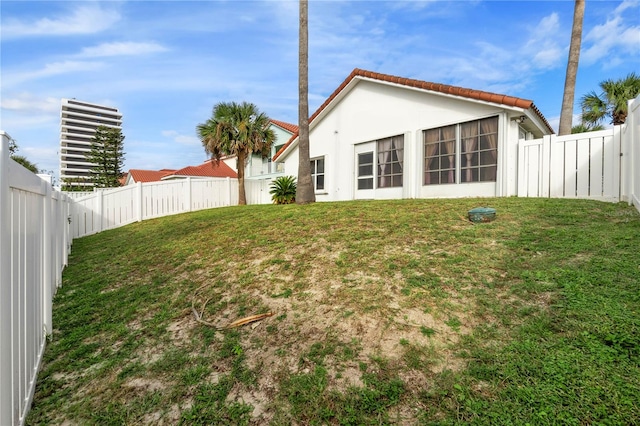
{"x":435,"y":87}
{"x":209,"y":168}
{"x":148,"y":175}
{"x":291,"y":128}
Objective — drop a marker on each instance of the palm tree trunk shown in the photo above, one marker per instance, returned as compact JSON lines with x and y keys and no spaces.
{"x":566,"y":114}
{"x":242,"y":198}
{"x":305,"y":192}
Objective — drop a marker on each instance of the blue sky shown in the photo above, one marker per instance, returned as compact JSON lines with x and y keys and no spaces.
{"x":165,"y":64}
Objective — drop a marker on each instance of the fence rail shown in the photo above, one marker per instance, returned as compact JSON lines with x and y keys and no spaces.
{"x":34,"y":246}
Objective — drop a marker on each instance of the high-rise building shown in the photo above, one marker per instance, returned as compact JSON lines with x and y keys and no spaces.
{"x":78,"y":123}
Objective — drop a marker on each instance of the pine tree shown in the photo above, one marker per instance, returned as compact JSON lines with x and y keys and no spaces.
{"x":107,"y":156}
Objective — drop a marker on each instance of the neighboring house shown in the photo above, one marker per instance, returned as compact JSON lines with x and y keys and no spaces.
{"x":380,"y":137}
{"x":263,"y":168}
{"x":207,"y":169}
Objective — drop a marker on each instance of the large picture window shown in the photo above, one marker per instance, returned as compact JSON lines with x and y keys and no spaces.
{"x":390,"y":161}
{"x":317,"y":173}
{"x":477,"y":145}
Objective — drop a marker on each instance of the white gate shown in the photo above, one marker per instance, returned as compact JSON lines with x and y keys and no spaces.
{"x":583,"y":165}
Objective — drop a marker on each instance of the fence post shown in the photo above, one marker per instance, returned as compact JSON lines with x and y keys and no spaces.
{"x":139,"y":200}
{"x":47,"y":258}
{"x":6,"y":380}
{"x":68,"y":239}
{"x":228,"y":191}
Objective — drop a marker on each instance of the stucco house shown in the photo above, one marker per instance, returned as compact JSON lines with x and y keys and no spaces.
{"x":379,"y":136}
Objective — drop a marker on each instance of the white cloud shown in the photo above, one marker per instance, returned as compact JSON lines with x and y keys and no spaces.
{"x":29,"y":102}
{"x":51,"y":69}
{"x":121,"y":49}
{"x":181,"y":139}
{"x":89,"y":19}
{"x":626,"y":5}
{"x":543,"y":48}
{"x":615,"y":36}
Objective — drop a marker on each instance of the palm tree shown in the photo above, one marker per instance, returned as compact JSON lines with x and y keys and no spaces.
{"x":584,"y":128}
{"x":238,"y":130}
{"x":612,"y":102}
{"x":566,"y":114}
{"x":22,"y":160}
{"x":305,"y":192}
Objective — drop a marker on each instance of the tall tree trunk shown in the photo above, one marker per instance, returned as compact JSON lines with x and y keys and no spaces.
{"x":566,"y":114}
{"x":242,"y":198}
{"x":305,"y":192}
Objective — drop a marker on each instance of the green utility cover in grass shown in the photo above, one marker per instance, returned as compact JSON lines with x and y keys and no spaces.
{"x":482,"y":214}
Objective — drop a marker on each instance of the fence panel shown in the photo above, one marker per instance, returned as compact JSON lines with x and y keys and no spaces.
{"x":118,"y":208}
{"x":532,"y":180}
{"x":211,"y":193}
{"x":583,"y":169}
{"x":596,"y":182}
{"x":611,"y":149}
{"x":163,"y":198}
{"x":84,"y":216}
{"x":33,"y":252}
{"x":257,"y":191}
{"x":585,"y":165}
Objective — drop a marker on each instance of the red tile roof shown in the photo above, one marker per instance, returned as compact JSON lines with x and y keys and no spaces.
{"x":435,"y":87}
{"x":291,"y":128}
{"x":148,"y":175}
{"x":207,"y":169}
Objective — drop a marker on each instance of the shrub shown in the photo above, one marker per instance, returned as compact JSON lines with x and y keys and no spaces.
{"x":283,"y":190}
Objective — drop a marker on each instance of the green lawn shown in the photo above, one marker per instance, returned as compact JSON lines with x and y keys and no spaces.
{"x":384,"y":312}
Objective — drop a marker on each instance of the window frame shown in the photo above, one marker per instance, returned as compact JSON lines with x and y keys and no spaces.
{"x":368,"y":178}
{"x":315,"y":174}
{"x":476,"y":165}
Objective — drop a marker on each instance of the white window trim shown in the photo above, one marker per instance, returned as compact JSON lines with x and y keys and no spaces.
{"x":324,"y":173}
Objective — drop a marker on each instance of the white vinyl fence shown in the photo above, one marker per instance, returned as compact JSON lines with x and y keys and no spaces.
{"x":602,"y":165}
{"x":584,"y":165}
{"x":112,"y":208}
{"x":34,"y":246}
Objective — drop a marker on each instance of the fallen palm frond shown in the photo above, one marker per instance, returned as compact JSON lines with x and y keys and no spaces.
{"x":237,"y":323}
{"x":247,"y":320}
